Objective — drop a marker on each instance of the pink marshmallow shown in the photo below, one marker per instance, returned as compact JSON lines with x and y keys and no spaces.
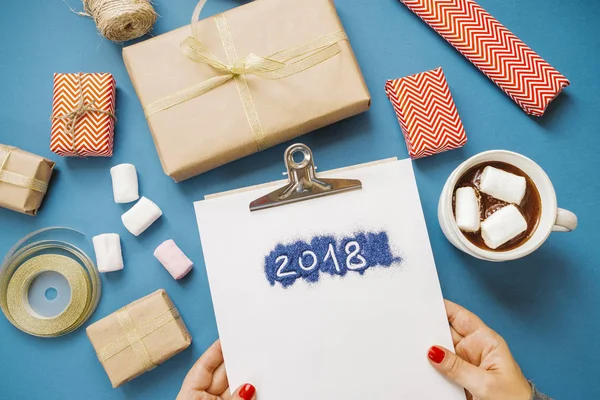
{"x":173,"y":259}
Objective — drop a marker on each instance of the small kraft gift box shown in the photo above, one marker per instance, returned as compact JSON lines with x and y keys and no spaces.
{"x":139,"y":337}
{"x":83,"y":115}
{"x":24,"y":179}
{"x":244,"y":80}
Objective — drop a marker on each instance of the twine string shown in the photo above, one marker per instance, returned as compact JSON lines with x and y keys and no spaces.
{"x":119,"y":20}
{"x":81,"y":14}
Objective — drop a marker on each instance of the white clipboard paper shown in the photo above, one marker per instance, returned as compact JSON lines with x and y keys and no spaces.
{"x":336,"y":297}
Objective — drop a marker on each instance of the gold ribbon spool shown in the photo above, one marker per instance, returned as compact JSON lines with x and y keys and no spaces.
{"x":18,"y":287}
{"x":23,"y":264}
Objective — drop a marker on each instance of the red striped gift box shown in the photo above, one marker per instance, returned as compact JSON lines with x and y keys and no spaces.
{"x":522,"y":74}
{"x":83,"y":115}
{"x":427,"y":113}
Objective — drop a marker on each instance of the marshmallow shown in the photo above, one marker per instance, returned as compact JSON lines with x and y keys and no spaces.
{"x":173,"y":259}
{"x":503,"y":185}
{"x":125,"y":183}
{"x":108,"y":252}
{"x":141,"y":216}
{"x":502,"y":226}
{"x":467,"y":209}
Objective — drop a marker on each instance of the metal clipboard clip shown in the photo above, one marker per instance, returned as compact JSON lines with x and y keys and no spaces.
{"x":303,"y":183}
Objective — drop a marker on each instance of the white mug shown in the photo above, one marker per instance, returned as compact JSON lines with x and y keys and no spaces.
{"x":552,"y":218}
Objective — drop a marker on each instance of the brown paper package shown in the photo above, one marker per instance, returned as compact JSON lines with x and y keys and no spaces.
{"x":212,"y":130}
{"x":161,"y":344}
{"x":30,"y":165}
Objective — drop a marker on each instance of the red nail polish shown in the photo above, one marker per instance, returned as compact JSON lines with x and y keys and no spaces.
{"x":436,"y":354}
{"x":247,"y":391}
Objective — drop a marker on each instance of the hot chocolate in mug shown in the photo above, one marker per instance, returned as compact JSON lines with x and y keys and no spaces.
{"x":551,"y":217}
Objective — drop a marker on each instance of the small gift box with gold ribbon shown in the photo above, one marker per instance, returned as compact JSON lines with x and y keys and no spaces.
{"x":24,"y":179}
{"x":139,"y":337}
{"x":244,"y":80}
{"x":83,"y":115}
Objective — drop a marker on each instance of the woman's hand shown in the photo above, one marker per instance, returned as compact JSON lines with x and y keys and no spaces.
{"x":483,"y":364}
{"x":207,"y":380}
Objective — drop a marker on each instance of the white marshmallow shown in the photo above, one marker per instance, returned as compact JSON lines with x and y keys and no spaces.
{"x":125,"y":183}
{"x":108,"y":252}
{"x":141,"y":216}
{"x":467,"y":209}
{"x":502,"y":226}
{"x":503,"y":185}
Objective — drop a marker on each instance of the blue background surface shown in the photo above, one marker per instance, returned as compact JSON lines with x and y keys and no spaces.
{"x":546,"y":305}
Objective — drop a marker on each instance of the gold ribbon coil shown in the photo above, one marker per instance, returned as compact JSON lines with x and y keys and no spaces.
{"x":24,"y":263}
{"x":18,"y":179}
{"x":19,"y":308}
{"x":134,"y":336}
{"x":276,"y":66}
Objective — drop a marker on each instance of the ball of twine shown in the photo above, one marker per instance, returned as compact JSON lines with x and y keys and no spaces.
{"x":121,"y":20}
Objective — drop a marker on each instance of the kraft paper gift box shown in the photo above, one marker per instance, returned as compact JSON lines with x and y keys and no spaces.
{"x":243,"y":112}
{"x":139,"y":337}
{"x":83,"y":115}
{"x":24,"y":179}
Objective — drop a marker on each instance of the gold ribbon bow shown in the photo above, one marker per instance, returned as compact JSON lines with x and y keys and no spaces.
{"x":78,"y":112}
{"x":276,"y":66}
{"x":134,"y":336}
{"x":18,"y":179}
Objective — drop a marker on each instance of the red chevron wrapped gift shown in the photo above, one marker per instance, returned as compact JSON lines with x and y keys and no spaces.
{"x":83,"y":115}
{"x":522,"y":74}
{"x":426,"y":113}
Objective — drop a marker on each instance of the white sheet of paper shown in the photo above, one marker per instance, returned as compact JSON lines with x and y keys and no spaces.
{"x":345,"y":337}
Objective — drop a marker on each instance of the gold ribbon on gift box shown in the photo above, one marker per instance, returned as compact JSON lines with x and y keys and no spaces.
{"x":276,"y":66}
{"x":134,"y":336}
{"x":18,"y":179}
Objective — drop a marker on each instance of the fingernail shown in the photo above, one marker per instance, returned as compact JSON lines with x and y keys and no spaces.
{"x":247,"y":391}
{"x":436,"y":354}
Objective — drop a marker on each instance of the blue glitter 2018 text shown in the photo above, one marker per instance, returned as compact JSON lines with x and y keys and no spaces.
{"x":287,"y":263}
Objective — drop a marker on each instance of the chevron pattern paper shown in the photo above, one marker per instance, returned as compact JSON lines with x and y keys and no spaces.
{"x":94,"y":131}
{"x":427,"y":113}
{"x":522,"y":74}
